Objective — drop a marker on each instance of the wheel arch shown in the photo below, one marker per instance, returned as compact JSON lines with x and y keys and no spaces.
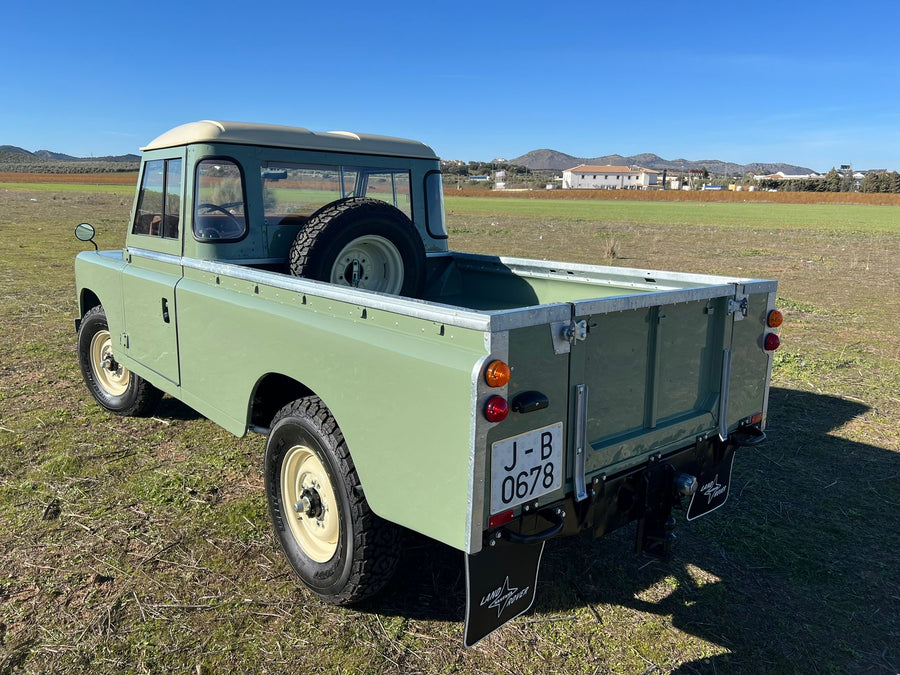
{"x":88,"y":301}
{"x":272,"y":392}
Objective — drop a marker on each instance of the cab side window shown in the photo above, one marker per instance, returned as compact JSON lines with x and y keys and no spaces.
{"x":158,"y":211}
{"x":220,"y":213}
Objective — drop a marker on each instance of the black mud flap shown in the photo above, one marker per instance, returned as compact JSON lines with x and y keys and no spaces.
{"x":712,"y":487}
{"x":501,"y":582}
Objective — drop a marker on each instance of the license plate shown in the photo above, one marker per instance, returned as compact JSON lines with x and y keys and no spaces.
{"x":526,"y":467}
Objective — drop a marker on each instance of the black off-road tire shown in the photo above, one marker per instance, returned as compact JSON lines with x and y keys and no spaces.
{"x":306,"y":455}
{"x":337,"y":227}
{"x":114,"y":387}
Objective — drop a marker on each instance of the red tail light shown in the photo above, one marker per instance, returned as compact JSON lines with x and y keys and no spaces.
{"x":772,"y":342}
{"x":496,"y":409}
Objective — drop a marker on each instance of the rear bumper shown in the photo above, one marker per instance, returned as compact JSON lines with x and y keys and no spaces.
{"x":646,"y":493}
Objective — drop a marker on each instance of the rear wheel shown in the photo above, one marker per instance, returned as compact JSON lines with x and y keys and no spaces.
{"x":340,"y":550}
{"x":113,"y":386}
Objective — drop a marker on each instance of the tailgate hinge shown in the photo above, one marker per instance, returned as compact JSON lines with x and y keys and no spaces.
{"x":738,"y":305}
{"x":566,"y":333}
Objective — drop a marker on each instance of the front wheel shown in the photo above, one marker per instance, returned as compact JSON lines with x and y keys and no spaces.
{"x":113,"y":386}
{"x":341,"y":551}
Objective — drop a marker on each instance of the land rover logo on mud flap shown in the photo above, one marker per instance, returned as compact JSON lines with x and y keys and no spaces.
{"x":504,"y":596}
{"x":501,"y":581}
{"x":713,"y":489}
{"x":712,"y":492}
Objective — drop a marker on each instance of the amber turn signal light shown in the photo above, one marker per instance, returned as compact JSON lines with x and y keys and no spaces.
{"x":497,"y":374}
{"x":774,"y":319}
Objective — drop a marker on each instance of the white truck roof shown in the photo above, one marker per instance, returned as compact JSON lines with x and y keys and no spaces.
{"x":245,"y":133}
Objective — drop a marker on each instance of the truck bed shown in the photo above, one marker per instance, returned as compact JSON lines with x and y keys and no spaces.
{"x":491,"y":283}
{"x":664,"y":359}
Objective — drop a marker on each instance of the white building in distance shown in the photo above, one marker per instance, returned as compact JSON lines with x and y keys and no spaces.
{"x":607,"y":177}
{"x":781,"y":175}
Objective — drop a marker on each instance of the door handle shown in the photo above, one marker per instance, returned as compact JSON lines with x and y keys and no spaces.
{"x":165,"y":310}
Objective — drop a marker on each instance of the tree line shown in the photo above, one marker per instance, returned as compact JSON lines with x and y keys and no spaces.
{"x":883,"y":181}
{"x":834,"y":181}
{"x":484,"y":169}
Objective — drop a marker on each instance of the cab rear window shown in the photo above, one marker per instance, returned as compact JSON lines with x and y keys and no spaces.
{"x":292,"y":192}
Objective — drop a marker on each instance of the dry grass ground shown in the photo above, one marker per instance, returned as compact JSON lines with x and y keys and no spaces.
{"x":142,"y":545}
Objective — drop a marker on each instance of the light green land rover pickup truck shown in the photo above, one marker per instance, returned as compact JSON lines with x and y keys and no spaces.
{"x":299,"y":284}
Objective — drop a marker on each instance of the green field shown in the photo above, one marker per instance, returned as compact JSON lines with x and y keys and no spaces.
{"x":143,"y":545}
{"x":724,"y":215}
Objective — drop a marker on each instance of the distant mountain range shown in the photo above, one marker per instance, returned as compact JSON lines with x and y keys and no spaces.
{"x":17,"y":160}
{"x":11,"y":155}
{"x":559,"y":161}
{"x":60,"y":157}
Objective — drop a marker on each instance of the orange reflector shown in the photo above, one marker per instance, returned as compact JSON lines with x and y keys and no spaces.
{"x":500,"y":519}
{"x":772,"y":342}
{"x":497,"y":374}
{"x":774,"y":319}
{"x":756,"y":419}
{"x":496,"y":409}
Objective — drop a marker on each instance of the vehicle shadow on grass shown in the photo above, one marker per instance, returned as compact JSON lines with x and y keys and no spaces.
{"x":173,"y":409}
{"x":795,"y":573}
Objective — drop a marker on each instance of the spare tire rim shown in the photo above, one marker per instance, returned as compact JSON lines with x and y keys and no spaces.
{"x":369,"y":262}
{"x":309,"y":503}
{"x":111,"y":375}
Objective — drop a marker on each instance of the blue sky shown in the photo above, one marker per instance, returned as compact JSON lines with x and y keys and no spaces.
{"x":813,"y":84}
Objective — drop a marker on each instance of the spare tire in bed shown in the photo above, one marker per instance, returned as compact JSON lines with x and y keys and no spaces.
{"x":364,"y":243}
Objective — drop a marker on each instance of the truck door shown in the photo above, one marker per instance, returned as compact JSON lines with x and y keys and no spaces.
{"x":154,"y":257}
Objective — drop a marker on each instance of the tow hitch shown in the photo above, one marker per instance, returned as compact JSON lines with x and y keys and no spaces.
{"x":659,"y":493}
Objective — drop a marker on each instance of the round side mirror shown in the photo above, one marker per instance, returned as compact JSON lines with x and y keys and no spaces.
{"x":84,"y":232}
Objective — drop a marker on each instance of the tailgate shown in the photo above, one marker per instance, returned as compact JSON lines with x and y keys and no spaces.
{"x":618,"y":382}
{"x":655,"y":371}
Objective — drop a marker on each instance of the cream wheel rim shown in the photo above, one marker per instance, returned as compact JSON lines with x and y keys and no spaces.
{"x":370,"y":262}
{"x":309,"y":503}
{"x":112,"y":376}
